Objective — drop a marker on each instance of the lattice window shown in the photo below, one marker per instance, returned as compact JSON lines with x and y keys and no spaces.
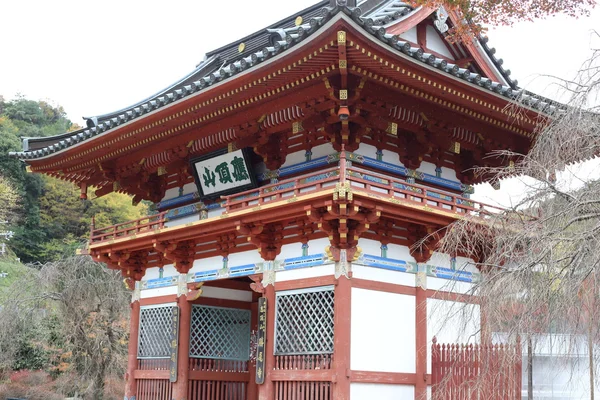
{"x":222,"y":333}
{"x":155,"y":332}
{"x":304,"y":321}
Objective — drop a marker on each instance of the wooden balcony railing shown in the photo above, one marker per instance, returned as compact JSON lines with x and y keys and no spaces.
{"x":355,"y":179}
{"x":128,"y":228}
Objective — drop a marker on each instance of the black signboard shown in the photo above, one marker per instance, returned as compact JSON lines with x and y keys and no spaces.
{"x":174,"y":341}
{"x":222,"y":172}
{"x":261,"y":337}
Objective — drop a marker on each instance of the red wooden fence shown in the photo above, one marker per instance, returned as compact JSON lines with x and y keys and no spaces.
{"x":473,"y":372}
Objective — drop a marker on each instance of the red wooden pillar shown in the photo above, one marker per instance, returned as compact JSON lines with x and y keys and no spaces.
{"x":134,"y":329}
{"x":421,"y":334}
{"x":180,"y":388}
{"x":266,"y":391}
{"x":341,"y":338}
{"x":252,"y":387}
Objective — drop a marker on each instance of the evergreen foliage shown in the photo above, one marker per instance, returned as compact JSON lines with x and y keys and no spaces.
{"x":49,"y":220}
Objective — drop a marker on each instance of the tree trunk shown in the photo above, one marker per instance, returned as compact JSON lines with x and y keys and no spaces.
{"x":591,"y":358}
{"x":529,"y":368}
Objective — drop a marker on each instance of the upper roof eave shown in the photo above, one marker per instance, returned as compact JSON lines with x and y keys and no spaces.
{"x":537,"y":104}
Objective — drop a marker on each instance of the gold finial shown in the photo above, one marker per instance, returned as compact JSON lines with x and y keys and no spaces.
{"x":242,"y":47}
{"x":298,"y":21}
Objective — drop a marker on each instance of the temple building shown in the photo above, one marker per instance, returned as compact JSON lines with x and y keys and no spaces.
{"x":293,"y":174}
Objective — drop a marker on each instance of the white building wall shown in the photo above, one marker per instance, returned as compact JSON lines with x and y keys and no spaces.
{"x":451,"y":322}
{"x":382,"y":331}
{"x":378,"y":391}
{"x":436,"y":43}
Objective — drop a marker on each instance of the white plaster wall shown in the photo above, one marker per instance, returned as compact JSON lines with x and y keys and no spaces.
{"x":378,"y":391}
{"x":183,"y":221}
{"x":300,"y":156}
{"x":322,"y":150}
{"x":227,"y":294}
{"x":367,"y":150}
{"x":450,"y":174}
{"x":170,"y":193}
{"x":291,"y":250}
{"x":244,"y":258}
{"x":399,"y":252}
{"x":215,"y":212}
{"x":154,"y":273}
{"x":427,"y":167}
{"x":302,"y":273}
{"x":174,"y":192}
{"x":382,"y":275}
{"x":317,"y":246}
{"x":448,"y":285}
{"x":164,"y":291}
{"x":462,"y":264}
{"x":369,"y":246}
{"x":410,"y":35}
{"x":207,"y":264}
{"x":391,"y":157}
{"x":382,"y":332}
{"x":451,"y":322}
{"x":435,"y":42}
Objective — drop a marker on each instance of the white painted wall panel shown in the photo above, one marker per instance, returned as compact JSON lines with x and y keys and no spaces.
{"x":206,"y":264}
{"x":227,"y":294}
{"x":164,"y":291}
{"x":399,"y":253}
{"x":367,"y":150}
{"x":382,"y":332}
{"x":183,"y":221}
{"x":369,"y":246}
{"x":317,"y":246}
{"x":410,"y":35}
{"x":382,"y":275}
{"x":378,"y":391}
{"x":448,"y":285}
{"x":290,"y":250}
{"x":302,"y":273}
{"x":244,"y":258}
{"x":436,"y":43}
{"x":391,"y":157}
{"x":451,"y":322}
{"x":154,"y":273}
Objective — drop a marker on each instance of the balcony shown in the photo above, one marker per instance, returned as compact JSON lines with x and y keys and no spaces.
{"x":348,"y":180}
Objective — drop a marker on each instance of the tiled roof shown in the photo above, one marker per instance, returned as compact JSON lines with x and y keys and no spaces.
{"x":226,"y":62}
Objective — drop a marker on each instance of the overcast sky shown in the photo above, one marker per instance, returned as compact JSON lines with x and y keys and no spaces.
{"x":94,"y":57}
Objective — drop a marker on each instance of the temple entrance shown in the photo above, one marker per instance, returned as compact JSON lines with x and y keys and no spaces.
{"x":220,"y":348}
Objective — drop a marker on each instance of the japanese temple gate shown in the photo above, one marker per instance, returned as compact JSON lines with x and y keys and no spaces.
{"x":293,"y":171}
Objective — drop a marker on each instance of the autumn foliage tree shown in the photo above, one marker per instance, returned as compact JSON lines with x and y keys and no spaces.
{"x":70,"y":319}
{"x":477,"y":14}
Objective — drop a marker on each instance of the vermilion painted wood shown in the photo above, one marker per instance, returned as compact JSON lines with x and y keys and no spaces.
{"x":150,"y":301}
{"x":392,"y":378}
{"x":305,"y":283}
{"x":252,"y":391}
{"x":383,"y":286}
{"x":304,"y":375}
{"x":266,"y":391}
{"x":180,"y":388}
{"x":341,"y":338}
{"x":421,"y":343}
{"x":470,"y":372}
{"x":151,"y":374}
{"x":134,"y":326}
